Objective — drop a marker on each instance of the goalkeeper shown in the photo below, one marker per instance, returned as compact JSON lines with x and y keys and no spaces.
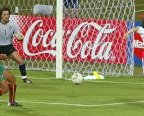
{"x":7,"y":83}
{"x":71,"y":5}
{"x":7,"y":30}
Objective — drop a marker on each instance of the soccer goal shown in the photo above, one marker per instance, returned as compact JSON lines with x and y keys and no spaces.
{"x":94,"y":39}
{"x":85,"y":37}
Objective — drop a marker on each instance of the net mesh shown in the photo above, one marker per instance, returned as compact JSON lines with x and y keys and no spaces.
{"x":96,"y":38}
{"x":93,"y":33}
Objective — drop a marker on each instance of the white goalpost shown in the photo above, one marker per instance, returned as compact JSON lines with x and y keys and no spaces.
{"x":82,"y":37}
{"x":59,"y":36}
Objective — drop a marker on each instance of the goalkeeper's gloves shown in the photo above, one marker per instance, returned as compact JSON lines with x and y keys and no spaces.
{"x":19,"y":36}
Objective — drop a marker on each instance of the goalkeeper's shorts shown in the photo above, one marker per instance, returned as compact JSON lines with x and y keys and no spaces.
{"x":1,"y":73}
{"x":7,"y":49}
{"x":71,"y":3}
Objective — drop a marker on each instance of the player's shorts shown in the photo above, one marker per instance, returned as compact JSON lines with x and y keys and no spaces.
{"x":1,"y":73}
{"x":7,"y":49}
{"x":71,"y":3}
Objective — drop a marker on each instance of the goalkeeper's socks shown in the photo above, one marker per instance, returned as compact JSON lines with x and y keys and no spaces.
{"x":22,"y":69}
{"x":12,"y":91}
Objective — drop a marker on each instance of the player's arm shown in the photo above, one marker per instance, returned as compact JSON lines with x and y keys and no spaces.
{"x":17,"y":32}
{"x":135,"y":29}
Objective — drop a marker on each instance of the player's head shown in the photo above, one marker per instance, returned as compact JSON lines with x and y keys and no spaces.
{"x":5,"y":14}
{"x":143,"y":23}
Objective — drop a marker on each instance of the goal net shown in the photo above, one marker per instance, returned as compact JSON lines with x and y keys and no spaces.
{"x":94,"y":37}
{"x":93,"y":33}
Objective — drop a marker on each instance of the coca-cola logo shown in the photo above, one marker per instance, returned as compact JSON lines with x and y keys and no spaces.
{"x":42,"y":39}
{"x":104,"y":47}
{"x":99,"y":44}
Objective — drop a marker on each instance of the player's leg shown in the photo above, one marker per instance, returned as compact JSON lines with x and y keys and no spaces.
{"x":3,"y":87}
{"x":3,"y":84}
{"x":17,"y":58}
{"x":13,"y":54}
{"x":11,"y":83}
{"x":8,"y":83}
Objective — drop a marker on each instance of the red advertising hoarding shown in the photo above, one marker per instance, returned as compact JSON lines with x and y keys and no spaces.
{"x":88,"y":40}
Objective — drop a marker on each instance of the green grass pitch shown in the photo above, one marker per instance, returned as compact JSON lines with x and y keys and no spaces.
{"x":48,"y":96}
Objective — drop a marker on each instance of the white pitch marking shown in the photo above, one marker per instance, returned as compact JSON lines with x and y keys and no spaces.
{"x":116,"y":82}
{"x":92,"y":81}
{"x":78,"y":105}
{"x":40,"y":78}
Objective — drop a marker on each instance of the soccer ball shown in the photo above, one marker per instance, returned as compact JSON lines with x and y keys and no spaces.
{"x":77,"y":78}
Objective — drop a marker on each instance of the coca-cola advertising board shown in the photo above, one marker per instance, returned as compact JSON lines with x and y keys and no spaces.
{"x":89,"y":40}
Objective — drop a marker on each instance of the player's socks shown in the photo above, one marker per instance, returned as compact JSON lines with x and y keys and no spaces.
{"x":0,"y":92}
{"x":12,"y":91}
{"x":22,"y":69}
